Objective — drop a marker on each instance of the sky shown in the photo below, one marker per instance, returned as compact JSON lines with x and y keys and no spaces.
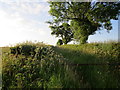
{"x":25,"y":21}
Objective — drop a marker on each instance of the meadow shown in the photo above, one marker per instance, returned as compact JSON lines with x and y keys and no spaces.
{"x":30,"y":65}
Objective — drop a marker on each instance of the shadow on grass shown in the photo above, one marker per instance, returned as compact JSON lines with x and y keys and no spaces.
{"x":93,"y":71}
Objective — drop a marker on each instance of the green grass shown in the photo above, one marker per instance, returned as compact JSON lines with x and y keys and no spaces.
{"x":44,"y":70}
{"x":89,"y":52}
{"x":57,"y":67}
{"x":94,"y":76}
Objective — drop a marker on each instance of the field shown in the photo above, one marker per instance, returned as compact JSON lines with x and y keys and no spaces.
{"x":29,"y":65}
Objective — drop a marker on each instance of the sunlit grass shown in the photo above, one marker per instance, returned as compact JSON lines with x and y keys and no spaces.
{"x":68,"y":74}
{"x":103,"y":75}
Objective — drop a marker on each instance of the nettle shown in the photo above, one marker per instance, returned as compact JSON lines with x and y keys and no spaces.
{"x":35,"y":70}
{"x":26,"y":50}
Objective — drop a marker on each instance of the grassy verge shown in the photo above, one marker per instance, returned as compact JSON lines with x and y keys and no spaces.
{"x":66,"y":66}
{"x":46,"y":69}
{"x":96,"y":64}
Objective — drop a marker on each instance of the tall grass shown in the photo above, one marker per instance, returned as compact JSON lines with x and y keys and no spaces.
{"x":46,"y":69}
{"x":66,"y":66}
{"x":97,"y":64}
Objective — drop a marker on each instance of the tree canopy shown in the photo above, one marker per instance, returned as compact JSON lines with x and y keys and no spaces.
{"x":78,"y":20}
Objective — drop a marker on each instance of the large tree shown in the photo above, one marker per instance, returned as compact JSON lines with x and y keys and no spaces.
{"x":64,"y":31}
{"x":83,"y":18}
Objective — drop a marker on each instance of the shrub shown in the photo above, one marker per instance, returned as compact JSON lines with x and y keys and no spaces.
{"x":60,"y":42}
{"x":29,"y":72}
{"x":26,"y":50}
{"x":15,"y":50}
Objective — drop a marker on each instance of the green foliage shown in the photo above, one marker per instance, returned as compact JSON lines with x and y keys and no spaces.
{"x":40,"y":71}
{"x":60,"y":42}
{"x":61,"y":67}
{"x":82,"y":30}
{"x":15,"y":50}
{"x":105,"y":75}
{"x":27,"y":50}
{"x":55,"y":82}
{"x":64,"y":31}
{"x":83,"y":18}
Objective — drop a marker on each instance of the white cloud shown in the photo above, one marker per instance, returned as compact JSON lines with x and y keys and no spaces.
{"x":41,"y":31}
{"x":30,"y":9}
{"x":25,"y":0}
{"x":14,"y":28}
{"x":27,"y":7}
{"x":24,"y":21}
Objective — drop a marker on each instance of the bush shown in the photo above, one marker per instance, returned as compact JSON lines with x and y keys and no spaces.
{"x":15,"y":50}
{"x":23,"y":72}
{"x":48,"y":69}
{"x":60,"y":42}
{"x":26,"y":50}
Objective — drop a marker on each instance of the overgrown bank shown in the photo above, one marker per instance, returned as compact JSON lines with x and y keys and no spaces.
{"x":97,"y":64}
{"x":67,"y":66}
{"x":31,"y":66}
